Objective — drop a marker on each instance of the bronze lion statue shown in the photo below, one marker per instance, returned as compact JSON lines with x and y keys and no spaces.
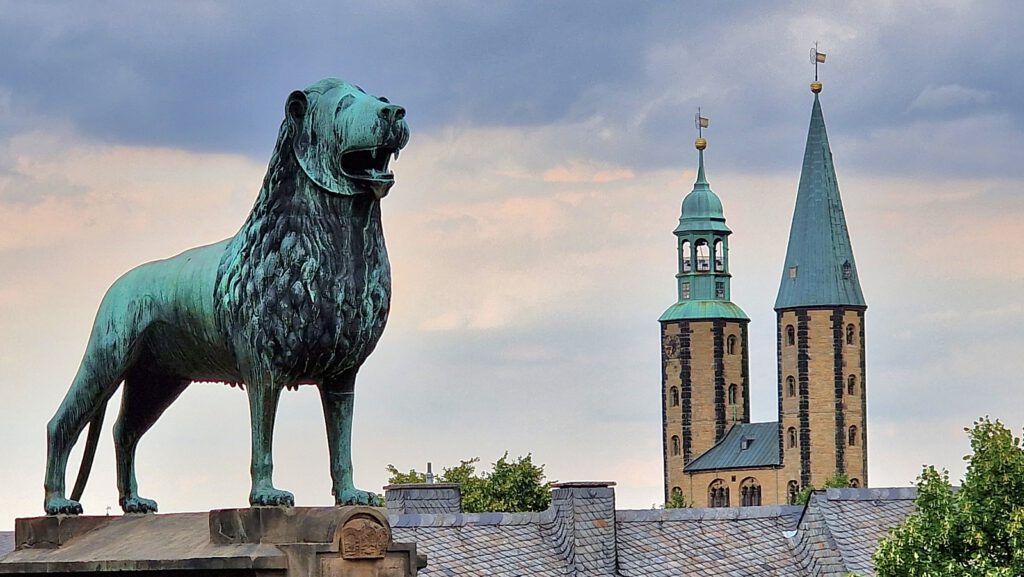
{"x":299,"y":296}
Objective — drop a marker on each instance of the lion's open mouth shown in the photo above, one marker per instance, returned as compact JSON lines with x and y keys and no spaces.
{"x":369,"y":163}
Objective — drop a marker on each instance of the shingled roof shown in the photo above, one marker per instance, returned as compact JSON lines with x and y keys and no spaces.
{"x":840,"y":528}
{"x":746,"y":445}
{"x":582,"y":534}
{"x":726,"y":541}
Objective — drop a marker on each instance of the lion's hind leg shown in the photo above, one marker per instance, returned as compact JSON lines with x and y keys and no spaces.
{"x":146,"y":395}
{"x":87,"y":397}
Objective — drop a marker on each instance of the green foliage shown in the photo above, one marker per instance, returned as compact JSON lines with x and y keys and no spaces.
{"x":510,"y":486}
{"x":677,"y":501}
{"x":836,"y":481}
{"x":977,"y":531}
{"x":399,"y":478}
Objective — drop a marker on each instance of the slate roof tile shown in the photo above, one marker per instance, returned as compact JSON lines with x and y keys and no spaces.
{"x":6,"y":542}
{"x":762,"y":448}
{"x":731,"y":542}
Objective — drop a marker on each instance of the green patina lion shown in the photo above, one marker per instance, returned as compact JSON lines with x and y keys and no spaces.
{"x":299,"y":296}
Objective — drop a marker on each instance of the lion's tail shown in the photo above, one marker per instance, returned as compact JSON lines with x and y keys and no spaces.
{"x":90,"y":452}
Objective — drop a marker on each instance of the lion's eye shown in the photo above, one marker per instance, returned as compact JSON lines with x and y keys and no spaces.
{"x":384,"y":100}
{"x":345,"y":102}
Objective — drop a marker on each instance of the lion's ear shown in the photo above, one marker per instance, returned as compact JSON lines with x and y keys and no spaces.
{"x":296,"y":106}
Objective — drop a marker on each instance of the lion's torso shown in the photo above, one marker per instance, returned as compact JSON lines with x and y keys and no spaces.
{"x":303,"y":290}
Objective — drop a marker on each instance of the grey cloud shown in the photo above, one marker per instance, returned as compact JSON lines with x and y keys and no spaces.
{"x":939,"y":98}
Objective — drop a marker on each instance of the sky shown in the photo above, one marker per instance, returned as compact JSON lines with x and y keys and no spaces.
{"x":530,"y":228}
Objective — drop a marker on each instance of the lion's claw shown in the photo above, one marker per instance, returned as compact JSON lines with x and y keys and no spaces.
{"x":62,"y":506}
{"x":353,"y":496}
{"x":138,"y":504}
{"x":271,"y":497}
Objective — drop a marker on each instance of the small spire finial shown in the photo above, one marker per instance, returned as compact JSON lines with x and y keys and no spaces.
{"x":701,"y":123}
{"x":816,"y":58}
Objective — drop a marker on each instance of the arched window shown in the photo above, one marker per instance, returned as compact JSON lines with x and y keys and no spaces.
{"x":792,"y":490}
{"x":730,"y":345}
{"x":685,"y":257}
{"x":791,"y":436}
{"x":790,"y":335}
{"x":851,"y":335}
{"x":703,"y":256}
{"x":750,"y":493}
{"x":853,"y":436}
{"x":677,"y":492}
{"x":719,"y":256}
{"x":718,"y":494}
{"x":732,"y":394}
{"x":790,"y":386}
{"x":854,"y":483}
{"x":675,"y":446}
{"x":673,"y":397}
{"x":851,"y":385}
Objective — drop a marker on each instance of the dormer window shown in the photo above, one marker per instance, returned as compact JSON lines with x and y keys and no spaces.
{"x":792,"y":272}
{"x":745,"y":443}
{"x":847,"y":270}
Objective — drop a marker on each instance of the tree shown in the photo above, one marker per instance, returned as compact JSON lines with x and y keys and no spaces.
{"x":676,"y":500}
{"x":510,"y":486}
{"x":976,"y":531}
{"x":836,"y":481}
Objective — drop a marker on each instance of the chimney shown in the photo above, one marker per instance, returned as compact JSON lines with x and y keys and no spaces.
{"x":420,"y":498}
{"x":582,"y":526}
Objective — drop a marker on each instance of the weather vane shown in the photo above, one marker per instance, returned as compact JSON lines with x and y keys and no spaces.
{"x":700,"y":122}
{"x":816,"y":59}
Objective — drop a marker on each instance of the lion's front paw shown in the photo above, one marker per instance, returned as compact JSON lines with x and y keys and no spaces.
{"x":136,"y":504}
{"x":353,"y":496}
{"x":271,"y":497}
{"x":62,"y":506}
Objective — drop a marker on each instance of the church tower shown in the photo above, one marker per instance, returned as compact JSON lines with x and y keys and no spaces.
{"x":705,"y":382}
{"x":820,"y":332}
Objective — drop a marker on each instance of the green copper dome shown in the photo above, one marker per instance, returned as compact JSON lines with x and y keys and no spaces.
{"x":702,"y":209}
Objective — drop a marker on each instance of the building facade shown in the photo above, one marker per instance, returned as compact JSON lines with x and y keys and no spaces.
{"x":713,"y":455}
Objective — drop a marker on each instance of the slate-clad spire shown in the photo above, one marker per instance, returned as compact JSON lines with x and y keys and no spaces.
{"x":819,"y":270}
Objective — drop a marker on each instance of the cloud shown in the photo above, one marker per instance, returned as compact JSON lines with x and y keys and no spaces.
{"x":530,"y":229}
{"x":947,"y":96}
{"x":577,"y":171}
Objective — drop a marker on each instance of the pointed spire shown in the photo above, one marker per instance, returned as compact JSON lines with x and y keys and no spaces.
{"x":701,"y":180}
{"x":819,"y":268}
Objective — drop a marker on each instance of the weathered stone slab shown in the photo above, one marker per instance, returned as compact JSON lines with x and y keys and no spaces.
{"x":300,"y":542}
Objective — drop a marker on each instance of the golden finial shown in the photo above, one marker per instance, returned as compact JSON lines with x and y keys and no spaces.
{"x":701,"y":123}
{"x":816,"y":58}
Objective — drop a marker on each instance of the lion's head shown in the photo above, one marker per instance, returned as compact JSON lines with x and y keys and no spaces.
{"x":344,"y":138}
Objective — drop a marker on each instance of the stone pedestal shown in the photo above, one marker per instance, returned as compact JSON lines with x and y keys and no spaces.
{"x":292,"y":542}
